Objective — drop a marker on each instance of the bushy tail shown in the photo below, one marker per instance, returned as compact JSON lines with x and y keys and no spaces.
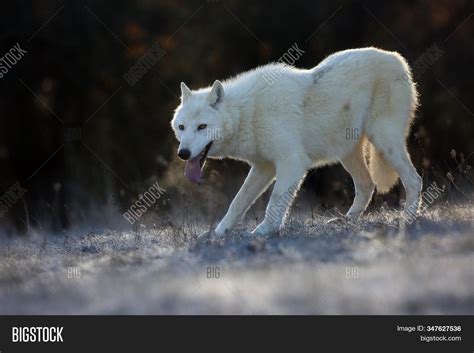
{"x":382,"y":173}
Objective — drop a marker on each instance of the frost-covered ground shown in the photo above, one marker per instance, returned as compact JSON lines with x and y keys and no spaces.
{"x":314,"y":267}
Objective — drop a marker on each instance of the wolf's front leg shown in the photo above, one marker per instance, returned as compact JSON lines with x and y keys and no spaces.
{"x":288,"y":180}
{"x":255,"y":184}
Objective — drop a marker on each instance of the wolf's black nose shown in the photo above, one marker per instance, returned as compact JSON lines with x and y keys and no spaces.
{"x":184,"y":154}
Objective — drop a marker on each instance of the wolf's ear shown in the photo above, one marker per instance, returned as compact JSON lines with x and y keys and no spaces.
{"x":185,"y":92}
{"x":216,"y":95}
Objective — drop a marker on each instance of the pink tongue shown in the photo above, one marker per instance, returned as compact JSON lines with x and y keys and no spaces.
{"x":193,"y":170}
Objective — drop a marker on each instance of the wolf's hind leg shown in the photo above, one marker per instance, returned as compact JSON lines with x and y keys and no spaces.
{"x":356,"y":165}
{"x":289,"y":176}
{"x":395,"y":152}
{"x":255,"y":184}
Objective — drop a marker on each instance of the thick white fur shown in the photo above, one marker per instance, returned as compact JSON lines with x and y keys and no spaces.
{"x":308,"y":118}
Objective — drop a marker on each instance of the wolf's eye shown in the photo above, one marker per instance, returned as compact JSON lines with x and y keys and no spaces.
{"x":181,"y":127}
{"x":202,"y":127}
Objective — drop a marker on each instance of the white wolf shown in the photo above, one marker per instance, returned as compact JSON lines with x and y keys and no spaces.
{"x":306,"y":118}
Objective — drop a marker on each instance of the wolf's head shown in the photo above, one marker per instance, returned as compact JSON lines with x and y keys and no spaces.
{"x":199,"y":125}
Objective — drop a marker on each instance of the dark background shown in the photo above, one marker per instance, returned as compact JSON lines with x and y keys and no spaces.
{"x":85,"y":143}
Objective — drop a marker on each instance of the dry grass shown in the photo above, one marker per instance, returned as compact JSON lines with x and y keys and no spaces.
{"x":313,"y":267}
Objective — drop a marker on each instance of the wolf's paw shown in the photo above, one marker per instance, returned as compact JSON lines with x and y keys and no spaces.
{"x":264,"y":229}
{"x":337,"y":220}
{"x":208,"y":236}
{"x":246,"y":234}
{"x":205,"y":234}
{"x":222,"y":229}
{"x":353,"y":216}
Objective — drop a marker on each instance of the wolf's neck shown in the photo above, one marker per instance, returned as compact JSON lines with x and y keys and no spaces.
{"x":238,"y":126}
